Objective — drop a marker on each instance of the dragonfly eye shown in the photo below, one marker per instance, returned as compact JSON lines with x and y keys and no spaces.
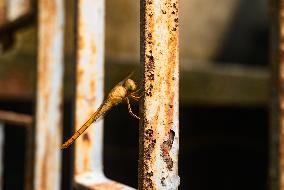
{"x":130,"y":85}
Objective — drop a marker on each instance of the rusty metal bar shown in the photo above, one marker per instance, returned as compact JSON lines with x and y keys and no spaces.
{"x":159,"y":126}
{"x":89,"y":89}
{"x":2,"y":136}
{"x":16,"y":118}
{"x":48,"y":130}
{"x":275,"y":117}
{"x":89,"y":95}
{"x":281,"y":92}
{"x":2,"y":11}
{"x":89,"y":84}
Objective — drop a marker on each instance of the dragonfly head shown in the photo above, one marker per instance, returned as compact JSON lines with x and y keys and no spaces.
{"x":130,"y":85}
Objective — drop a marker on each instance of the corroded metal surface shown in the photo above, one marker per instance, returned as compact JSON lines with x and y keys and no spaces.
{"x":89,"y":83}
{"x":48,"y":130}
{"x":89,"y":95}
{"x":159,"y":130}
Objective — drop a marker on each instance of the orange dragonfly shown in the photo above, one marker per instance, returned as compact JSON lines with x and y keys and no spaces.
{"x":124,"y":90}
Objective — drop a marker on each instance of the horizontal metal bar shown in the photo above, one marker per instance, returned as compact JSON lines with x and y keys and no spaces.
{"x":97,"y":181}
{"x":16,"y":118}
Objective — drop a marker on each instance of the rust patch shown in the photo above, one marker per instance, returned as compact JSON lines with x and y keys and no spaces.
{"x":149,"y":137}
{"x":148,"y":180}
{"x":150,"y":149}
{"x":85,"y":151}
{"x":165,"y":148}
{"x":81,"y":42}
{"x":150,"y":143}
{"x":93,"y":46}
{"x":92,"y":86}
{"x":163,"y":181}
{"x":45,"y":169}
{"x":86,"y":137}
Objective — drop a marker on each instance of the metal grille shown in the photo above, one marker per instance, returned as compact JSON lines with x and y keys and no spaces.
{"x":159,"y":133}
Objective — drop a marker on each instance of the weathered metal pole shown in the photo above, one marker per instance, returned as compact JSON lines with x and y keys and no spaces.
{"x":48,"y":130}
{"x":281,"y":90}
{"x":89,"y":88}
{"x":2,"y":138}
{"x":159,"y":126}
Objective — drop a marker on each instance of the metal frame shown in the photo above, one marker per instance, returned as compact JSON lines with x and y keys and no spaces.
{"x":159,"y":135}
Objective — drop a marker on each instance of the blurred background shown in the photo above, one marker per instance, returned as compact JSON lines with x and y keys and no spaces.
{"x":224,"y":92}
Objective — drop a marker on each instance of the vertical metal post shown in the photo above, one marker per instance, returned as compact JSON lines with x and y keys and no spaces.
{"x":89,"y":87}
{"x":281,"y":90}
{"x":48,"y":130}
{"x":89,"y":95}
{"x":274,"y":130}
{"x":159,"y":130}
{"x":2,"y":11}
{"x":2,"y":136}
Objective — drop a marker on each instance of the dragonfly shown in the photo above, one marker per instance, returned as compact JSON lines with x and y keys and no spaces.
{"x":121,"y":92}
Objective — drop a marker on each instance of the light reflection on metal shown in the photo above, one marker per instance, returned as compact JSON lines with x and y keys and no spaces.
{"x":159,"y":127}
{"x":48,"y":130}
{"x":11,"y":10}
{"x":17,"y":8}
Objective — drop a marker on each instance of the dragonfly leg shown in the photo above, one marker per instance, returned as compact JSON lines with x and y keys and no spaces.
{"x":137,"y":98}
{"x":129,"y":109}
{"x":136,"y":91}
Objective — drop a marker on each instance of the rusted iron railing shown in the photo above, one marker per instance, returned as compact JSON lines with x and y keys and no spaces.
{"x":48,"y":132}
{"x":159,"y":131}
{"x":159,"y":126}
